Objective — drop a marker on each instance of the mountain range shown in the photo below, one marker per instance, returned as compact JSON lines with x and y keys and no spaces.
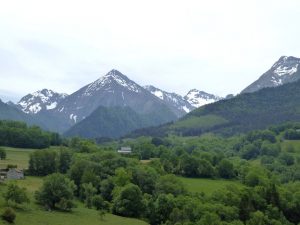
{"x":285,"y":70}
{"x":114,"y":93}
{"x":262,"y":104}
{"x":114,"y":105}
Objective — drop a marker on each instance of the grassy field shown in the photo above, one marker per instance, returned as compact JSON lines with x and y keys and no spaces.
{"x":203,"y":122}
{"x":207,"y":186}
{"x":16,"y":156}
{"x":285,"y":145}
{"x":33,"y":214}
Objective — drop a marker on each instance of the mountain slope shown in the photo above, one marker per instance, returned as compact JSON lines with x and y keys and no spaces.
{"x":9,"y":112}
{"x":242,"y":113}
{"x":285,"y":70}
{"x":175,"y":102}
{"x":199,"y":98}
{"x":40,"y":100}
{"x":113,"y":89}
{"x":110,"y":122}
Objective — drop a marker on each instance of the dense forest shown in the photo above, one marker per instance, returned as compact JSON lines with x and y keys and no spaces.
{"x":18,"y":134}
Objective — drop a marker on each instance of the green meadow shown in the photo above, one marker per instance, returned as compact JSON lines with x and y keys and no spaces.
{"x":207,"y":186}
{"x":33,"y":214}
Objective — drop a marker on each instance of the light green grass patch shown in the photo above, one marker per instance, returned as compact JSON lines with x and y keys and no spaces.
{"x":201,"y":122}
{"x":207,"y":186}
{"x":16,"y":156}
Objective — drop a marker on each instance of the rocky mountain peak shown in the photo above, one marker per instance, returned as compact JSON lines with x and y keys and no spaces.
{"x":44,"y":99}
{"x":199,"y":98}
{"x":283,"y":71}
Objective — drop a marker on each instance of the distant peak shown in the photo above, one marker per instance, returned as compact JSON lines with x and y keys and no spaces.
{"x":114,"y":72}
{"x":286,"y":60}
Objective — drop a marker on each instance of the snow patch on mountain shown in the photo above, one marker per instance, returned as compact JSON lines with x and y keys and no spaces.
{"x":199,"y":98}
{"x":173,"y":100}
{"x":107,"y":82}
{"x":285,"y":70}
{"x":40,"y":100}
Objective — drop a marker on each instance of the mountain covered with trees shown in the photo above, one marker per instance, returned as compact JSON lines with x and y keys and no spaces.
{"x":111,"y":122}
{"x":240,"y":114}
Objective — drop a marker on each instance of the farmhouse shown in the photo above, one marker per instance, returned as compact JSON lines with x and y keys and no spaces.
{"x":11,"y":174}
{"x":125,"y":150}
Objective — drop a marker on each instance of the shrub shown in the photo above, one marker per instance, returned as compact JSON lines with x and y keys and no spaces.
{"x":9,"y":215}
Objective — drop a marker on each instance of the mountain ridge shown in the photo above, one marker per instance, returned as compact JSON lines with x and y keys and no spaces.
{"x":284,"y":70}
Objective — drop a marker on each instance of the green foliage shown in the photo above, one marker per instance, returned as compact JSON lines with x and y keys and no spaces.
{"x":15,"y":195}
{"x":145,"y":177}
{"x":44,"y":162}
{"x":9,"y":215}
{"x":170,"y":184}
{"x":18,"y":134}
{"x":99,"y":203}
{"x":2,"y":154}
{"x":226,"y":169}
{"x":109,"y":122}
{"x":57,"y":192}
{"x":88,"y":192}
{"x":243,"y":113}
{"x":129,"y":202}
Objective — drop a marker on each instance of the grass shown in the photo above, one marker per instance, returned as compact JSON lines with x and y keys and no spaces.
{"x":16,"y":156}
{"x":207,"y":186}
{"x":33,"y":214}
{"x":203,"y":122}
{"x":287,"y":145}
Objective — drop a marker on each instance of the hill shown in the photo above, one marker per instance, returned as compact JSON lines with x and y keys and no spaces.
{"x":108,"y":122}
{"x":245,"y":112}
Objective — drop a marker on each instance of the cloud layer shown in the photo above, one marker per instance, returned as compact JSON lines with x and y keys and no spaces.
{"x":216,"y":46}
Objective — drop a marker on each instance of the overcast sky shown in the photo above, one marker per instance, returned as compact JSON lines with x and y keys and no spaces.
{"x":217,"y":46}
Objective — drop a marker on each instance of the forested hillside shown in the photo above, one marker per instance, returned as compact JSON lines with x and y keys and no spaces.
{"x":242,"y":113}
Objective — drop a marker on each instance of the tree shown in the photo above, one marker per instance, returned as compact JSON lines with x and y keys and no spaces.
{"x":64,"y":160}
{"x":106,"y":188}
{"x":226,"y":169}
{"x":88,"y":193}
{"x":189,"y":165}
{"x":15,"y":194}
{"x":57,"y":192}
{"x":145,"y":177}
{"x":162,"y":208}
{"x":205,"y":169}
{"x":42,"y":163}
{"x":129,"y":202}
{"x":99,"y":203}
{"x":122,"y":177}
{"x":170,"y":184}
{"x":9,"y":215}
{"x":2,"y":154}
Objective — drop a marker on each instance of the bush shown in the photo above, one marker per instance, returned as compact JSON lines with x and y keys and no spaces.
{"x":9,"y":215}
{"x":57,"y":192}
{"x":2,"y":154}
{"x":15,"y":194}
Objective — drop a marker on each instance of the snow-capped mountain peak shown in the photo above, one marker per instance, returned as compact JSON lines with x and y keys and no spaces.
{"x":286,"y":66}
{"x":40,"y":100}
{"x":199,"y":98}
{"x":155,"y":91}
{"x":285,"y":70}
{"x":108,"y":81}
{"x":176,"y":102}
